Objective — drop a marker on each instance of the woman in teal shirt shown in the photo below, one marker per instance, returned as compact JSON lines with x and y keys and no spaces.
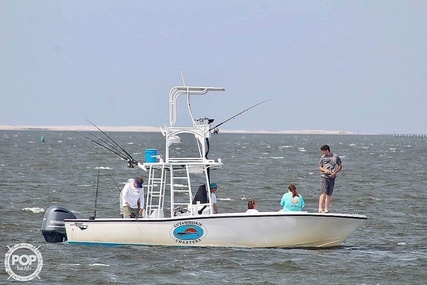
{"x":292,"y":201}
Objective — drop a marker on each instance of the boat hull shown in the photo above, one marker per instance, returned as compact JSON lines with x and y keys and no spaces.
{"x":270,"y":229}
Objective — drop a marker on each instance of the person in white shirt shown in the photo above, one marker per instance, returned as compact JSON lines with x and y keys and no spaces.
{"x":214,"y":187}
{"x":132,"y":196}
{"x":252,"y":207}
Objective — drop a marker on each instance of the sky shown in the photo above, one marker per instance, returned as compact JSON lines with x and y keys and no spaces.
{"x":355,"y":66}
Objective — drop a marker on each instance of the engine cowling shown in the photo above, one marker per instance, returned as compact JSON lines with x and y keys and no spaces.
{"x":53,"y":226}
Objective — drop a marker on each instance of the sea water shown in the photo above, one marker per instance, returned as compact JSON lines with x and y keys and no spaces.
{"x":383,"y":177}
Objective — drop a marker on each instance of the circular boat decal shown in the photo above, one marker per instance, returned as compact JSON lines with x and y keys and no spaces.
{"x":188,"y":232}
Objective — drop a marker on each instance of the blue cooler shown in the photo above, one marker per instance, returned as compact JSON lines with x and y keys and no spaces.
{"x":150,"y":155}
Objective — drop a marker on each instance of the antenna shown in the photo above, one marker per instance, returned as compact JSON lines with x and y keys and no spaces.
{"x":188,"y":97}
{"x":182,"y":77}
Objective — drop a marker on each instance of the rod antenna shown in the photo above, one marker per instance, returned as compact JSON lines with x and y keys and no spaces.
{"x":182,"y":77}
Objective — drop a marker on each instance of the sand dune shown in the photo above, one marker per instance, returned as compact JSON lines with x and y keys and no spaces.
{"x":82,"y":128}
{"x":155,"y":129}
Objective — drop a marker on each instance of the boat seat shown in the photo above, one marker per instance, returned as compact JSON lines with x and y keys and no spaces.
{"x":198,"y":209}
{"x":201,"y":195}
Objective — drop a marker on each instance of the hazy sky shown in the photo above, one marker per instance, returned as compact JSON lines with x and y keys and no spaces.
{"x":358,"y":66}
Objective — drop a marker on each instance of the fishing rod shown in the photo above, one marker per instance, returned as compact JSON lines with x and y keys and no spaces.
{"x":216,"y":130}
{"x":117,"y":185}
{"x":110,"y":139}
{"x":131,"y":161}
{"x":110,"y":149}
{"x":106,"y":142}
{"x":253,"y":106}
{"x":96,"y":192}
{"x":113,"y":148}
{"x":120,"y":191}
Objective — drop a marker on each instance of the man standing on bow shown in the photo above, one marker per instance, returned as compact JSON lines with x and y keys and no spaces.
{"x":329,"y":165}
{"x":132,"y":197}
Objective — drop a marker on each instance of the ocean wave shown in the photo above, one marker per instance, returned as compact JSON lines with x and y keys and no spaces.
{"x":103,"y":167}
{"x":35,"y":210}
{"x":99,"y":264}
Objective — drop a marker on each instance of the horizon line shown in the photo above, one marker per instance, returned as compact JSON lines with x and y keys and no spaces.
{"x":158,"y":129}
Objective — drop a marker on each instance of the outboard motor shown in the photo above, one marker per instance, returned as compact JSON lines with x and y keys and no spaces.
{"x":53,"y":227}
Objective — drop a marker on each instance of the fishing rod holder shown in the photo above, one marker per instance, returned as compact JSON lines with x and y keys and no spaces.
{"x":202,"y":121}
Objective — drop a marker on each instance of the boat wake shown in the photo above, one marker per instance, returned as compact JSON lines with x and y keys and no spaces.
{"x":34,"y":210}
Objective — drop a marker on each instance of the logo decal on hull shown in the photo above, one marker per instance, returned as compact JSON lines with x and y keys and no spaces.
{"x":188,"y":232}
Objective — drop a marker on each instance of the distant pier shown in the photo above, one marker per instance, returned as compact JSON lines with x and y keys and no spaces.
{"x":409,"y":136}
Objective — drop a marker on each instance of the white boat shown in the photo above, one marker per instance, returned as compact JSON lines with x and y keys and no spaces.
{"x":174,"y":217}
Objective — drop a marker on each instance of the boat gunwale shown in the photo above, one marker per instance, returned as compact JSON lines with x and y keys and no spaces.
{"x":222,"y":216}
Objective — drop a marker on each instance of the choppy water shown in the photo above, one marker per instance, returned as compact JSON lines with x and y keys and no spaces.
{"x":384,"y":177}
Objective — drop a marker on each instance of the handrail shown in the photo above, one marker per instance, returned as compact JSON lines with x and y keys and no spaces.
{"x":189,"y":90}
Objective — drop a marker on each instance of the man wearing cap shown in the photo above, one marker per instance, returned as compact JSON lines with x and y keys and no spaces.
{"x":132,"y":196}
{"x":214,"y":187}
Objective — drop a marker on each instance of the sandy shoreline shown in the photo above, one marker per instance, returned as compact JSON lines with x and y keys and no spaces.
{"x":155,"y":129}
{"x":81,"y":128}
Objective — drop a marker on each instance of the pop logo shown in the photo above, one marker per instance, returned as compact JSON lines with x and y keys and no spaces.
{"x":23,"y":262}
